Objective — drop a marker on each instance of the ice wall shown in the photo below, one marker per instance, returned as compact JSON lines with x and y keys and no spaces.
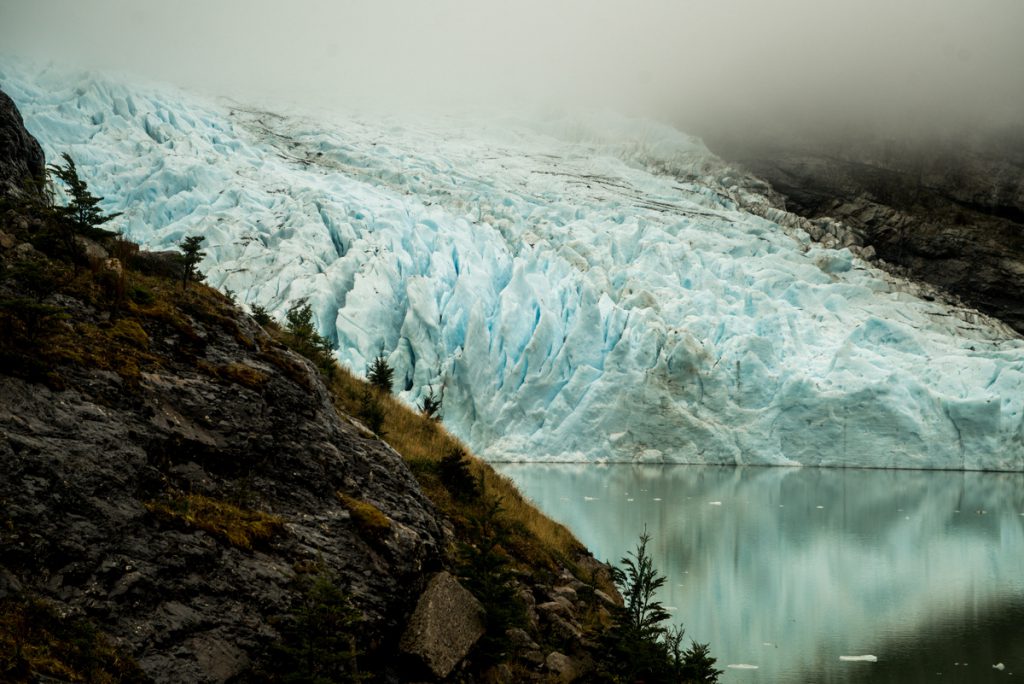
{"x":584,"y":289}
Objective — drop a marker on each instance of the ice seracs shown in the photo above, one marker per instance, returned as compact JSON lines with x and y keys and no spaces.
{"x":584,"y":289}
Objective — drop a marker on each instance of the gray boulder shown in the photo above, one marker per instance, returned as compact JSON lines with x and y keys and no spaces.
{"x":447,"y":621}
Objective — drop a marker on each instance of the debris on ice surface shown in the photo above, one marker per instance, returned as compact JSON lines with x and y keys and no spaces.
{"x":859,"y":658}
{"x":584,"y":289}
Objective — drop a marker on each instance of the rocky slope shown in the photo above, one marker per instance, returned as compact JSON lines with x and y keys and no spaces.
{"x":949,"y":214}
{"x":22,"y":158}
{"x":82,"y":462}
{"x":182,"y":487}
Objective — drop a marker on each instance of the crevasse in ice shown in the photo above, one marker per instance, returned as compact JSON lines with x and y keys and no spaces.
{"x":590,"y":288}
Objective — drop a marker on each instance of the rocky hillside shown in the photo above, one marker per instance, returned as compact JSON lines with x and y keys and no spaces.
{"x":22,"y":158}
{"x":950,"y":214}
{"x":184,"y":498}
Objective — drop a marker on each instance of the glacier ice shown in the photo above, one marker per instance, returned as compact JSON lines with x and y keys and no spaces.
{"x":584,"y":288}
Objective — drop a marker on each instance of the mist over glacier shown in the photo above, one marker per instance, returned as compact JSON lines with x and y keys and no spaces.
{"x":584,"y":288}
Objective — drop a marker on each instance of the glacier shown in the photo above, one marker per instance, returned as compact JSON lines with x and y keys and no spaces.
{"x":582,"y":287}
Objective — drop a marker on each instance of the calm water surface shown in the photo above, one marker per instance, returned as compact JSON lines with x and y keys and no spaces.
{"x":787,"y":569}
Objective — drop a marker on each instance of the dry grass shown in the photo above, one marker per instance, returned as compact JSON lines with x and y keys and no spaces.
{"x":239,"y":527}
{"x":369,"y":519}
{"x":237,"y":373}
{"x":423,"y":443}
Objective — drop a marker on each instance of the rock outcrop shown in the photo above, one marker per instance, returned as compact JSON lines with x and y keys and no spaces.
{"x":171,"y":474}
{"x":950,"y":216}
{"x":88,"y":467}
{"x":21,"y":160}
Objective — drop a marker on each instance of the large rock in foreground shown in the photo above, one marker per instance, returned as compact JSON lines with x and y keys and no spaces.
{"x":447,"y":621}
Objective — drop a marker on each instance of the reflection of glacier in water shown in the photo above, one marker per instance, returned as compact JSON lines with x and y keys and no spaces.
{"x":796,"y":567}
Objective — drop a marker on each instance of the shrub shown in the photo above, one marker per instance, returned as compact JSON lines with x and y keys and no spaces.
{"x":141,"y":296}
{"x":319,"y":641}
{"x":127,"y":330}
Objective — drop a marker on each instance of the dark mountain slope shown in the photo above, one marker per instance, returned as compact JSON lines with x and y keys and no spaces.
{"x":950,"y":214}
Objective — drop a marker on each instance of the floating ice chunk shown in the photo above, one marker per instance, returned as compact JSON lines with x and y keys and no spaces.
{"x":859,"y":658}
{"x":742,"y":666}
{"x":819,"y":507}
{"x":999,"y":666}
{"x":590,"y":498}
{"x":714,"y":503}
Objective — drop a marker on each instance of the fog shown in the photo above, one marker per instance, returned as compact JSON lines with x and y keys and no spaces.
{"x":895,"y":66}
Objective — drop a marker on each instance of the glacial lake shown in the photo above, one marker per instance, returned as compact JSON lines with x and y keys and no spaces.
{"x":788,"y":569}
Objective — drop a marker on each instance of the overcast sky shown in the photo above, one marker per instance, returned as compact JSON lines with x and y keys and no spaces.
{"x":900,"y":64}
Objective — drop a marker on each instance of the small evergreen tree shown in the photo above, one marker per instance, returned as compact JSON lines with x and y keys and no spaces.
{"x":456,"y":476}
{"x":639,"y":583}
{"x":639,"y":646}
{"x":305,"y":339}
{"x":696,"y":664}
{"x":371,"y":411}
{"x":320,"y":642}
{"x":260,"y":315}
{"x":380,"y":374}
{"x":485,"y":569}
{"x":430,"y":407}
{"x":190,"y":247}
{"x":83,"y":210}
{"x":80,"y":218}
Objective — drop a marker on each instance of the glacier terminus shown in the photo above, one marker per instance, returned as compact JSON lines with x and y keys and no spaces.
{"x":584,"y":288}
